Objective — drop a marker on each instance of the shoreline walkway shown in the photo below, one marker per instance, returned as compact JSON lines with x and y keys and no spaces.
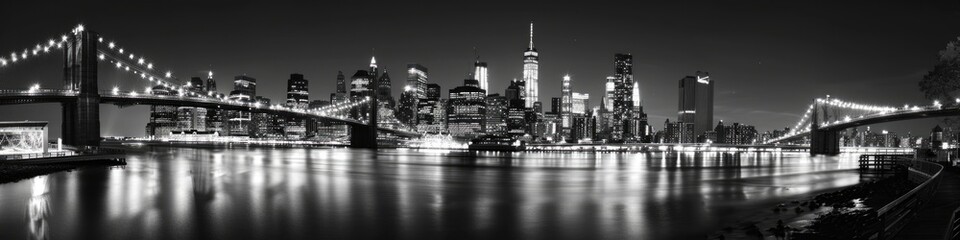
{"x":932,"y":220}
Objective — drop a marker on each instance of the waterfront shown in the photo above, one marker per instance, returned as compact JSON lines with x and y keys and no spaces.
{"x":257,"y":193}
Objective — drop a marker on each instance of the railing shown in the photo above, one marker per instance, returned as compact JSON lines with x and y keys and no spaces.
{"x":71,"y":151}
{"x":36,"y":155}
{"x":896,"y":214}
{"x":953,"y":233}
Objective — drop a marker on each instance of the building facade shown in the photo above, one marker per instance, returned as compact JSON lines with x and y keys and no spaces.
{"x":298,"y":97}
{"x":407,"y":108}
{"x":497,"y":114}
{"x":696,"y":102}
{"x":566,"y":107}
{"x":466,"y":110}
{"x":163,"y":119}
{"x":244,"y":90}
{"x":417,"y":79}
{"x":480,"y":73}
{"x":580,"y":103}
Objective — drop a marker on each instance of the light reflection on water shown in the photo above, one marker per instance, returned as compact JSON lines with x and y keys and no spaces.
{"x":186,"y":193}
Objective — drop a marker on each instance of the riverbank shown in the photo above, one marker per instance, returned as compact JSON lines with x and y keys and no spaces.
{"x":20,"y":169}
{"x":840,"y":214}
{"x":10,"y":172}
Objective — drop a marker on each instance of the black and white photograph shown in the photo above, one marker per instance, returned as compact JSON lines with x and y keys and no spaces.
{"x":715,"y":120}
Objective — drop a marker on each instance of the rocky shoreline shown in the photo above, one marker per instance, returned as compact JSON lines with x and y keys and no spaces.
{"x":841,"y":214}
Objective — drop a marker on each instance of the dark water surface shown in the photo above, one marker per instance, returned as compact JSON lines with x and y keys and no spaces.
{"x":262,"y":193}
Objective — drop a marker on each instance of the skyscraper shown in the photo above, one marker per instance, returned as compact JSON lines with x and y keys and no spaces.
{"x":211,"y":84}
{"x":341,"y":93}
{"x":265,"y":125}
{"x":433,"y":91}
{"x":163,"y":119}
{"x":417,"y":79}
{"x":604,"y":117}
{"x":583,"y":127}
{"x":361,"y":88}
{"x":480,"y":73}
{"x":696,"y":102}
{"x":581,"y":102}
{"x":298,"y":98}
{"x":566,"y":106}
{"x":430,"y":112}
{"x":516,"y":114}
{"x":497,"y":113}
{"x":407,"y":110}
{"x":341,"y":83}
{"x":244,"y":90}
{"x":532,"y":119}
{"x":374,"y":70}
{"x":515,"y":93}
{"x":297,"y":91}
{"x":623,"y":72}
{"x":384,"y":88}
{"x":531,"y":72}
{"x":466,"y":111}
{"x":360,"y":85}
{"x":609,"y":93}
{"x":623,"y":95}
{"x":555,"y":105}
{"x":192,"y":118}
{"x":215,"y":117}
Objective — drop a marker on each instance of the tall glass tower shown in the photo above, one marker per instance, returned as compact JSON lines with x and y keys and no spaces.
{"x":566,"y":106}
{"x":623,"y":100}
{"x":531,"y":69}
{"x":480,"y":73}
{"x":696,"y":102}
{"x":417,"y":79}
{"x":297,"y":94}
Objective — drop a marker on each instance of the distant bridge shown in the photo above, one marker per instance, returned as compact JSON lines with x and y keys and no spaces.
{"x":81,"y":96}
{"x":826,"y":117}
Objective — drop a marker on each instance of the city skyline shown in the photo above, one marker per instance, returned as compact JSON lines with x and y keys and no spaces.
{"x":737,"y":93}
{"x":487,"y":120}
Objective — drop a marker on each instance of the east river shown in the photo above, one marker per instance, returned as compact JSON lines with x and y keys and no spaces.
{"x":300,"y":193}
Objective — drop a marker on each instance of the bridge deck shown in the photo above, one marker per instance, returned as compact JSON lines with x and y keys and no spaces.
{"x":932,"y":220}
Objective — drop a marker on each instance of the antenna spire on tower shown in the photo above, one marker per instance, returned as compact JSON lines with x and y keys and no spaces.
{"x":531,"y":34}
{"x":476,"y":53}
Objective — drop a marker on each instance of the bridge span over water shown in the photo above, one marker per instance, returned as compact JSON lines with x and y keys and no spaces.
{"x":80,"y":98}
{"x":826,"y":117}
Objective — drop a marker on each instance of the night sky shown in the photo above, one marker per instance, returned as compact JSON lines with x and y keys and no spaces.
{"x":769,"y":59}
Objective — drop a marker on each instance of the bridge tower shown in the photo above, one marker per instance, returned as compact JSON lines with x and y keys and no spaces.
{"x":81,"y":116}
{"x":822,"y":141}
{"x":366,"y":136}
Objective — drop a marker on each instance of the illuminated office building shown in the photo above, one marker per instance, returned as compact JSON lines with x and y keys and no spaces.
{"x":417,"y":79}
{"x":696,"y":102}
{"x":531,"y":73}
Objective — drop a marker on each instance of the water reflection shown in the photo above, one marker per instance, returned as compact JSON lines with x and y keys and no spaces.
{"x":184,"y":193}
{"x":38,"y":208}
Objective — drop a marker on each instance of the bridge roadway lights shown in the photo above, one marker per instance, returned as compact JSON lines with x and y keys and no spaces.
{"x":824,"y":142}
